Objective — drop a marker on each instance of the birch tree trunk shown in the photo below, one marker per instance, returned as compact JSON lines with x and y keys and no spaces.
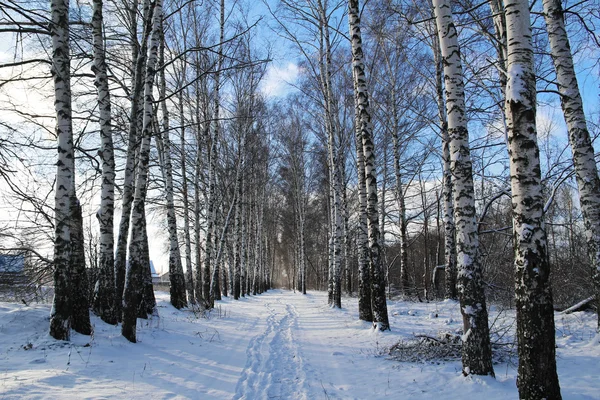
{"x":476,"y":348}
{"x":378,"y":300}
{"x":79,"y":286}
{"x":497,"y":7}
{"x":586,"y":170}
{"x":449,"y":227}
{"x":238,"y":236}
{"x":243,"y":231}
{"x":301,"y":241}
{"x":189,"y":276}
{"x":133,"y":141}
{"x":132,"y":290}
{"x":104,"y":293}
{"x":399,"y":193}
{"x":147,"y":302}
{"x":537,"y":377}
{"x":365,"y":311}
{"x":198,"y":252}
{"x":210,"y":213}
{"x":197,"y":229}
{"x":335,"y":285}
{"x":347,"y":275}
{"x":60,"y":320}
{"x":176,"y":277}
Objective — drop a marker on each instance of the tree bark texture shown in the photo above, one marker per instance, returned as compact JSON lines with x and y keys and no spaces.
{"x":104,"y":294}
{"x":176,"y":277}
{"x":335,"y":282}
{"x":537,"y":377}
{"x":60,"y":320}
{"x":365,"y":312}
{"x":133,"y":288}
{"x":586,"y":170}
{"x":476,"y":348}
{"x":449,"y":228}
{"x":79,"y":286}
{"x":133,"y":144}
{"x":189,"y":276}
{"x":361,"y":96}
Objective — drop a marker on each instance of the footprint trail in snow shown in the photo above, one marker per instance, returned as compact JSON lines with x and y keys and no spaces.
{"x":275,"y":367}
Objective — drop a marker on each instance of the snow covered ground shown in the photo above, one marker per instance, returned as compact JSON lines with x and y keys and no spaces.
{"x":279,"y":345}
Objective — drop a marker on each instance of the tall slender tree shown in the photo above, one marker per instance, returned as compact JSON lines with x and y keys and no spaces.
{"x":476,"y":348}
{"x":586,"y":170}
{"x":138,"y":54}
{"x":60,"y":321}
{"x":176,"y":277}
{"x":132,"y":292}
{"x":449,"y":227}
{"x":537,"y":376}
{"x":361,"y":96}
{"x":104,"y":295}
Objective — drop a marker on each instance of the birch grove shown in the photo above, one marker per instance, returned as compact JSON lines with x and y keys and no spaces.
{"x":373,"y":162}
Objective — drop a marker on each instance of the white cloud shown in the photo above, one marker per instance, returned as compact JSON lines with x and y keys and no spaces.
{"x":279,"y":78}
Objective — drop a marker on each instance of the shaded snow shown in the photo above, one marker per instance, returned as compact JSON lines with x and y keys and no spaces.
{"x":276,"y":345}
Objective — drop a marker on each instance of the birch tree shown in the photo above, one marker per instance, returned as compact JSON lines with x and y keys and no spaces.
{"x":209,"y":248}
{"x":331,"y":126}
{"x":138,"y":54}
{"x":537,"y":377}
{"x":132,"y":290}
{"x":586,"y":170}
{"x":365,"y":310}
{"x":104,"y":294}
{"x":476,"y":348}
{"x":60,"y":321}
{"x":449,"y":227}
{"x":176,"y":278}
{"x":361,"y":96}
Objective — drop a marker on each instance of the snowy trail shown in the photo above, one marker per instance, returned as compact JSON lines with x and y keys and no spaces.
{"x":274,"y":366}
{"x":279,"y":345}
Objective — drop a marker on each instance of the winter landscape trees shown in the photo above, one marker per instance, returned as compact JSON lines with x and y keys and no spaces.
{"x":383,"y":169}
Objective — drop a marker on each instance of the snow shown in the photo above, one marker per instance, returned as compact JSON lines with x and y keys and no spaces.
{"x":525,"y":231}
{"x":277,"y":345}
{"x":515,"y":85}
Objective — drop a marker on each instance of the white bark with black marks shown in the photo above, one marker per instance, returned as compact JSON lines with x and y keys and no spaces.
{"x":60,"y":320}
{"x":139,"y":56}
{"x":537,"y":377}
{"x":176,"y":277}
{"x":189,"y":275}
{"x":365,"y":311}
{"x":449,"y":229}
{"x":476,"y":348}
{"x":104,"y":296}
{"x":336,"y":217}
{"x":133,"y":288}
{"x":586,"y":170}
{"x":361,"y":96}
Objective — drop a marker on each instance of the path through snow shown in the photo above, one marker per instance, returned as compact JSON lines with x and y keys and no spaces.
{"x":279,"y":345}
